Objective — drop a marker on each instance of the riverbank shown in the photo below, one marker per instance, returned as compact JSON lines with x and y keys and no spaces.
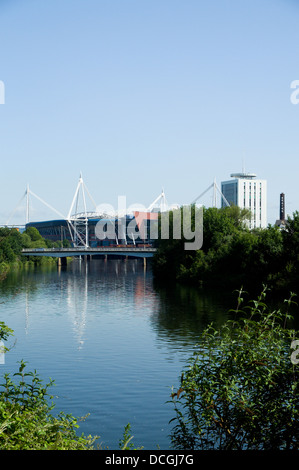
{"x":17,"y":265}
{"x":116,"y":345}
{"x":113,"y":343}
{"x":232,"y":256}
{"x":12,"y":242}
{"x":112,"y":326}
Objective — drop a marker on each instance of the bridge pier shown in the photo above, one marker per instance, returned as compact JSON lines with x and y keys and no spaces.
{"x":62,"y":261}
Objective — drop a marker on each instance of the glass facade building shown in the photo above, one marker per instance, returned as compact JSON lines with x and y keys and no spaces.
{"x":247,"y":192}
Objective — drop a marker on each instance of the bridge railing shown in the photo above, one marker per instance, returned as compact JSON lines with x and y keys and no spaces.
{"x":83,"y":249}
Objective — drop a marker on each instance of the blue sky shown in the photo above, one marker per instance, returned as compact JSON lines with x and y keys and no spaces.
{"x":145,"y":94}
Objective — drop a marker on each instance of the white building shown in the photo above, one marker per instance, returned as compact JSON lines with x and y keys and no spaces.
{"x":245,"y":191}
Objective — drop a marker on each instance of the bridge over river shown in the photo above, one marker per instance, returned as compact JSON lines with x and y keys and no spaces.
{"x":135,"y":252}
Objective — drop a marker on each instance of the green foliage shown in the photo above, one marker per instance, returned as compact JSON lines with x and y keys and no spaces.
{"x":232,"y":255}
{"x":38,"y":244}
{"x":26,"y":419}
{"x":66,"y":243}
{"x":12,"y":243}
{"x":26,"y":240}
{"x":33,"y":234}
{"x":7,"y":252}
{"x":5,"y":332}
{"x":126,"y":442}
{"x":240,"y":389}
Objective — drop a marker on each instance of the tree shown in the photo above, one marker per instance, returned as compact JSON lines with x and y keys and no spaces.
{"x":15,"y":240}
{"x":232,"y":255}
{"x":26,"y":240}
{"x":7,"y":251}
{"x":240,"y":389}
{"x":33,"y":234}
{"x":238,"y":215}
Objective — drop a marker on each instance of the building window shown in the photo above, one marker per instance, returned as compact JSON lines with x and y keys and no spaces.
{"x":230,"y":193}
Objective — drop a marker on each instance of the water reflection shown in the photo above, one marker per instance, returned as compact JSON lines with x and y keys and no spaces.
{"x":113,"y":341}
{"x":177,"y":314}
{"x":184,"y":312}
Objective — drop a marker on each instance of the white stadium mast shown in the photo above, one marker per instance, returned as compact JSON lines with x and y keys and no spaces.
{"x":160,"y":199}
{"x":216,"y":189}
{"x":77,"y":221}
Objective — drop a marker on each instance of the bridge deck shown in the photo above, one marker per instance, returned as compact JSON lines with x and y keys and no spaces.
{"x":103,"y":250}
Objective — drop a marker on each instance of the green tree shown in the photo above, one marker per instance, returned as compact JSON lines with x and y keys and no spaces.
{"x":26,"y":240}
{"x":38,"y":244}
{"x":66,"y":243}
{"x":33,"y":234}
{"x":7,"y":251}
{"x":232,"y":255}
{"x":239,"y":216}
{"x":26,"y":419}
{"x":240,"y":389}
{"x":15,"y":240}
{"x":4,"y":232}
{"x":267,"y":259}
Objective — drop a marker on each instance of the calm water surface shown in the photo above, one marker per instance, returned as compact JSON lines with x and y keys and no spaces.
{"x":113,"y":342}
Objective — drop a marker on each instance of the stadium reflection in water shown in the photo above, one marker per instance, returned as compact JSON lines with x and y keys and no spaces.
{"x":113,"y":341}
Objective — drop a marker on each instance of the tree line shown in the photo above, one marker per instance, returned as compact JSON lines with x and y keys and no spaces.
{"x":12,"y":242}
{"x":239,"y":390}
{"x":232,"y":255}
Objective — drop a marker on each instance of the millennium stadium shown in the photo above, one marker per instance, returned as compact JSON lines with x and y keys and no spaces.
{"x":94,"y":231}
{"x":99,"y":228}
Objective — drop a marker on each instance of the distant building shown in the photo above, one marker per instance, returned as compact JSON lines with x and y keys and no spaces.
{"x":247,"y":192}
{"x":133,"y":229}
{"x":281,"y":222}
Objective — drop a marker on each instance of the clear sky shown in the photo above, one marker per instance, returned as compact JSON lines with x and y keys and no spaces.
{"x":145,"y":94}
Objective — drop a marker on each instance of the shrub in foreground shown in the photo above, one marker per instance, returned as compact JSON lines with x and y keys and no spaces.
{"x":241,"y":389}
{"x":26,"y":419}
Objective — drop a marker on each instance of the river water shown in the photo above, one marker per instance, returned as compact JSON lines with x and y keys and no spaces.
{"x":113,"y":341}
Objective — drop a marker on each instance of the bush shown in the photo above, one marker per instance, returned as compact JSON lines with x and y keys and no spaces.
{"x":26,"y":419}
{"x":241,"y":388}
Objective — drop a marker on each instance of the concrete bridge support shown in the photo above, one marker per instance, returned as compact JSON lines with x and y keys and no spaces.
{"x":62,"y":261}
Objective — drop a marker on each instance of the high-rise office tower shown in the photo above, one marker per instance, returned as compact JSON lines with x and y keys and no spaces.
{"x":247,"y":192}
